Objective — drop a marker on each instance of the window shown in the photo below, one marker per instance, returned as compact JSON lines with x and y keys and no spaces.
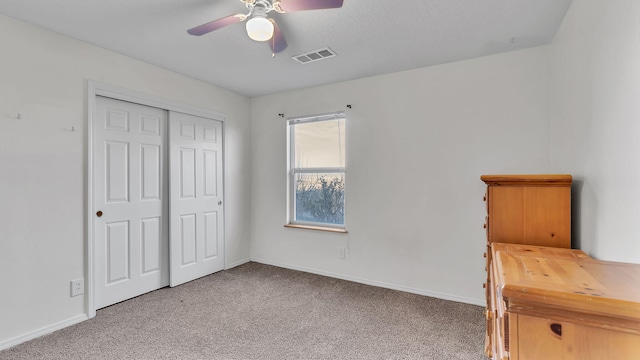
{"x":316,"y":181}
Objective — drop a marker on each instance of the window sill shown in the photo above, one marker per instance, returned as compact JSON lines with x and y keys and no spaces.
{"x":319,"y":228}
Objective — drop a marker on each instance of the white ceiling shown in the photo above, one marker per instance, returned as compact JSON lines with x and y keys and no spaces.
{"x":371,"y":37}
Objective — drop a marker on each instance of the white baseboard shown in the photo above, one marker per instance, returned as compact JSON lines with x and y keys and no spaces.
{"x":381,"y":284}
{"x":236,"y":263}
{"x":42,"y":331}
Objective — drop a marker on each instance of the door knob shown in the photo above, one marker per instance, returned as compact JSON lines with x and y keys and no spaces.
{"x":220,"y":202}
{"x":99,"y":213}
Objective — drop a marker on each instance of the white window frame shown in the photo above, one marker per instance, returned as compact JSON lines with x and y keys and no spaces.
{"x":293,"y":171}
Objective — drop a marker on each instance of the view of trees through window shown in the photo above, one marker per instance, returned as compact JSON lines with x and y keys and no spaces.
{"x":317,"y":162}
{"x":320,"y":198}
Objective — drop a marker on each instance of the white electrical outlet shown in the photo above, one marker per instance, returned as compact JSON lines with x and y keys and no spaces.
{"x":77,"y":287}
{"x":342,"y":252}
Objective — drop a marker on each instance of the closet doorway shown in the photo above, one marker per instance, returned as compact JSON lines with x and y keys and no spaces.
{"x":156,"y":213}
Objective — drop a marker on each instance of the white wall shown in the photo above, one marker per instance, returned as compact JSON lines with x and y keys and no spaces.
{"x":417,"y":143}
{"x":43,"y":166}
{"x":595,"y":113}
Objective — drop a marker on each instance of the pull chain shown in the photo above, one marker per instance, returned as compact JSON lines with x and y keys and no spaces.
{"x":273,"y":47}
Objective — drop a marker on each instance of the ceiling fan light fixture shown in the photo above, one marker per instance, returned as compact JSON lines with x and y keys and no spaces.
{"x":259,"y":28}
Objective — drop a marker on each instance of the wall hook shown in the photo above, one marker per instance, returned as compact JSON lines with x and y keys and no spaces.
{"x":348,"y":106}
{"x":281,"y":115}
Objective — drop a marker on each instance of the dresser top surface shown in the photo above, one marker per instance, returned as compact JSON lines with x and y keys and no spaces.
{"x":537,"y":179}
{"x":565,"y":278}
{"x":542,"y":251}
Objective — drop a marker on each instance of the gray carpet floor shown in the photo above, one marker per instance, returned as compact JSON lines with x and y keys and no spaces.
{"x":257,"y":311}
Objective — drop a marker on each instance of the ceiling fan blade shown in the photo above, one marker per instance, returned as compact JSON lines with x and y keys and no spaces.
{"x":216,"y":24}
{"x":277,"y":42}
{"x":285,"y":6}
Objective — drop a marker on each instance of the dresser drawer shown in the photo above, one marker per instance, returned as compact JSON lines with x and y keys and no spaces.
{"x":565,"y":340}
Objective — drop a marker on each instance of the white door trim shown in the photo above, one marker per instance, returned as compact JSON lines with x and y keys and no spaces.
{"x":96,"y":88}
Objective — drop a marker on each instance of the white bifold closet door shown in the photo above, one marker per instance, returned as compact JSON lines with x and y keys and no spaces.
{"x":196,"y":180}
{"x":130,"y":193}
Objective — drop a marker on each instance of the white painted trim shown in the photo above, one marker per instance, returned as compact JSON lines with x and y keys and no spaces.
{"x":90,"y":289}
{"x":381,"y":284}
{"x":237,"y":263}
{"x":96,"y":88}
{"x":119,"y":93}
{"x":42,"y":331}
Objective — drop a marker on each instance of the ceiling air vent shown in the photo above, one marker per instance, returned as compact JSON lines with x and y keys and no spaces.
{"x":316,"y":55}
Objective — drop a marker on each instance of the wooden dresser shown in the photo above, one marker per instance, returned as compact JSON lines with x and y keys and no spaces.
{"x":524,"y":209}
{"x":554,"y":303}
{"x":529,"y":209}
{"x":544,"y":300}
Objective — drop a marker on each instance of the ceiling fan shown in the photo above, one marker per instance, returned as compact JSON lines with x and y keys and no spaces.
{"x":259,"y":26}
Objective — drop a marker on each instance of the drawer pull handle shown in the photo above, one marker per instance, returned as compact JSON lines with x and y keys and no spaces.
{"x":557,"y":329}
